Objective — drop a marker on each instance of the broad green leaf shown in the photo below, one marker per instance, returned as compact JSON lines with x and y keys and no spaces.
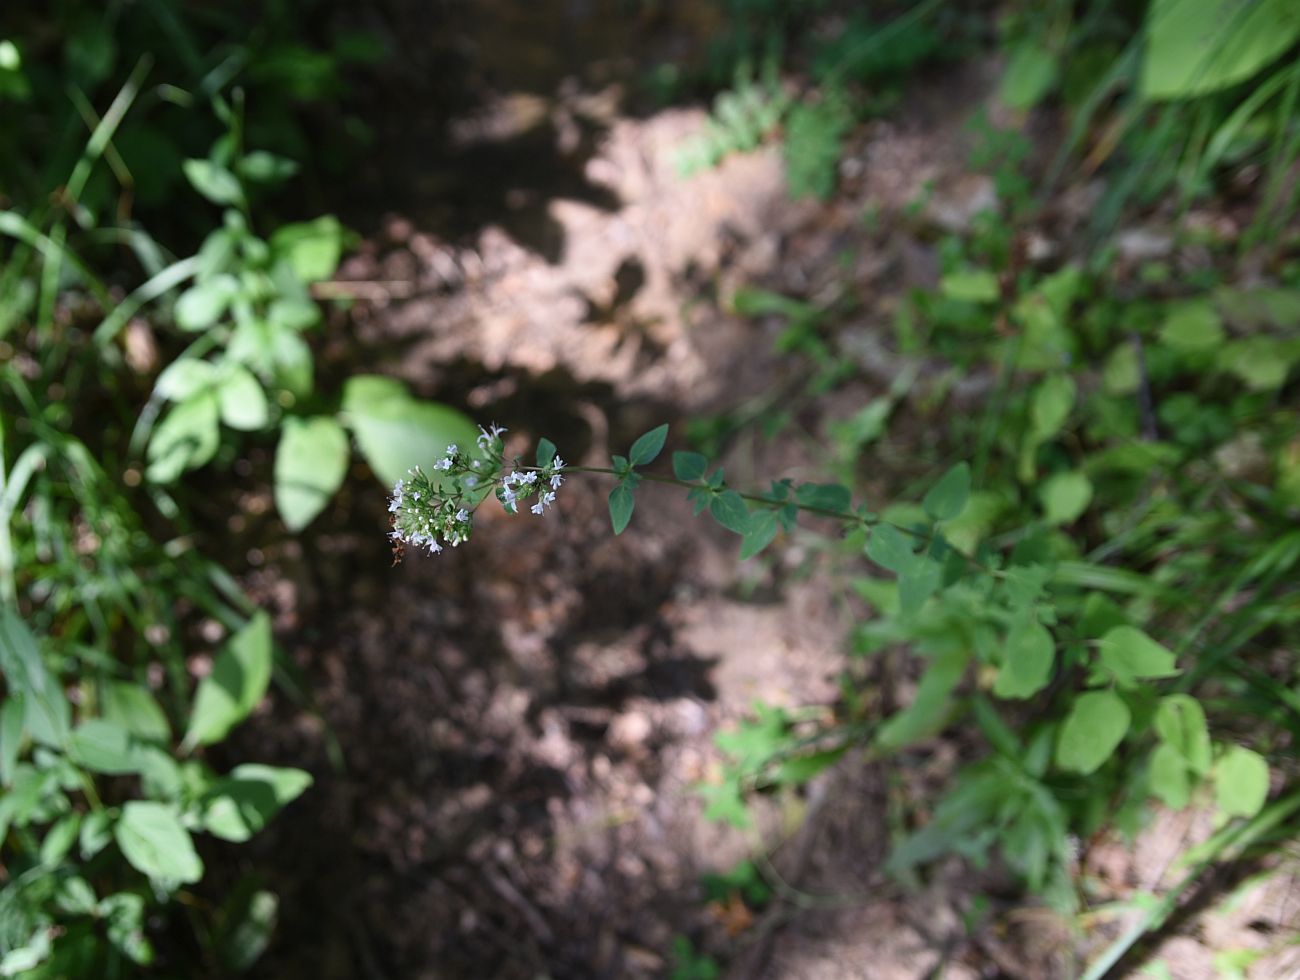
{"x":759,"y":533}
{"x":1129,"y":654}
{"x":186,"y":439}
{"x":59,"y":839}
{"x":1180,"y":721}
{"x":1240,"y":782}
{"x":95,"y":833}
{"x":239,"y":677}
{"x":728,"y":509}
{"x":134,"y":708}
{"x":1096,"y":724}
{"x":161,"y":775}
{"x":1168,"y":777}
{"x":1029,"y":76}
{"x":916,"y":583}
{"x":155,"y":843}
{"x":971,"y":286}
{"x":646,"y":448}
{"x":242,"y":803}
{"x":291,"y":362}
{"x":1030,"y":656}
{"x":241,"y":399}
{"x":311,"y":248}
{"x":185,"y":377}
{"x":947,"y":498}
{"x":689,"y":466}
{"x":1024,"y":584}
{"x":47,"y":713}
{"x":103,"y":746}
{"x":1052,"y":401}
{"x":888,"y":547}
{"x":622,"y":501}
{"x":546,"y":451}
{"x":824,"y":496}
{"x":76,"y":897}
{"x":1122,"y":374}
{"x":397,"y":432}
{"x":310,"y":463}
{"x":1262,"y":363}
{"x":1192,"y":326}
{"x":204,"y":303}
{"x":1199,"y":46}
{"x":1065,"y":496}
{"x":214,"y":182}
{"x":1100,"y":614}
{"x":294,"y":313}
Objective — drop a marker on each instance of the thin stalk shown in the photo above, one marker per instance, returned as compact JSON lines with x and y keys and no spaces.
{"x":864,"y":520}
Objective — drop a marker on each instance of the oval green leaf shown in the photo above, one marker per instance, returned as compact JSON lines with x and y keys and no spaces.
{"x":1241,"y":782}
{"x":241,"y":399}
{"x":239,"y":678}
{"x":310,"y":464}
{"x":621,"y":503}
{"x":155,"y":843}
{"x":645,"y":449}
{"x":947,"y":498}
{"x":396,"y":432}
{"x":1031,"y":654}
{"x":1096,"y":724}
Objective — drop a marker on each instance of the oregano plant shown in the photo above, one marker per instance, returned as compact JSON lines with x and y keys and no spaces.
{"x":992,"y":626}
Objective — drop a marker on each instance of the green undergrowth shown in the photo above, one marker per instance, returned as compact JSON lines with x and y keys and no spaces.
{"x":1088,"y":568}
{"x":157,"y":327}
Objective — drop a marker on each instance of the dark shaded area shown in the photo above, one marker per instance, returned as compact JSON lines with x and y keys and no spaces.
{"x":487,"y":112}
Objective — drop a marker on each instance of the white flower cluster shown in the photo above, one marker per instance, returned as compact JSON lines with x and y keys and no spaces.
{"x":430,"y":510}
{"x":424,"y":511}
{"x":522,"y":484}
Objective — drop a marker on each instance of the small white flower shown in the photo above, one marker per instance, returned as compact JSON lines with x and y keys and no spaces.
{"x":443,"y":464}
{"x":530,"y":477}
{"x":556,"y":480}
{"x":557,"y":463}
{"x":462,"y":515}
{"x":548,"y":498}
{"x":488,"y":435}
{"x":538,"y":507}
{"x":471,"y":481}
{"x":451,"y":450}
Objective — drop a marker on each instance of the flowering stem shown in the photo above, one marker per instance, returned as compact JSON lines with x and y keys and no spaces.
{"x":840,"y":515}
{"x":848,"y":517}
